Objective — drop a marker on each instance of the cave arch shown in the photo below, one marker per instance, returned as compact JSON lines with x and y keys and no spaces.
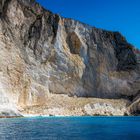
{"x":74,"y":43}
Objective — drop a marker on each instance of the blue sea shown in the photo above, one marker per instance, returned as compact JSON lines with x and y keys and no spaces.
{"x":70,"y":128}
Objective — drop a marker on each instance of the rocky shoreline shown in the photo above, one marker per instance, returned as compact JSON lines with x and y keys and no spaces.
{"x":62,"y":105}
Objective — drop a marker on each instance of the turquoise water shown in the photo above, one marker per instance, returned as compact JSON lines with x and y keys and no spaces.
{"x":70,"y":128}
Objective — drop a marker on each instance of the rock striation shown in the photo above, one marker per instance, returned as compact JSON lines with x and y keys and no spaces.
{"x":44,"y":57}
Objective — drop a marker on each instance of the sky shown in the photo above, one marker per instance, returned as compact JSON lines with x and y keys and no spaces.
{"x":113,"y":15}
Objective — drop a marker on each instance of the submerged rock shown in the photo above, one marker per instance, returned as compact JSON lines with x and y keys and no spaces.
{"x":43,"y":54}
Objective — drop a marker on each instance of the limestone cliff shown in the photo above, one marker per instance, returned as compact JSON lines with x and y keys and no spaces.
{"x":50,"y":62}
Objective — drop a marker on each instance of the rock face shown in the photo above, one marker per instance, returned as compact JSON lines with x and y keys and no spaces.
{"x":105,"y":109}
{"x":43,"y":54}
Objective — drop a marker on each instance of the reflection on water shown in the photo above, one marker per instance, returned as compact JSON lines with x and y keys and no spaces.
{"x":70,"y":128}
